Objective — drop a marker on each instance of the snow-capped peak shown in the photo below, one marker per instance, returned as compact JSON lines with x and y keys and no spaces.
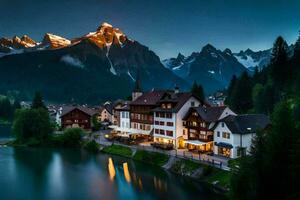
{"x":55,"y":41}
{"x":106,"y":24}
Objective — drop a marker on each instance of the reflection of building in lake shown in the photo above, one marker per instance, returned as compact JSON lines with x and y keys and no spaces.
{"x":111,"y":169}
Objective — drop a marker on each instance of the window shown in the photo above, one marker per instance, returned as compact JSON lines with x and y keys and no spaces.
{"x":156,"y":114}
{"x":169,"y":133}
{"x":226,"y":135}
{"x":157,"y":131}
{"x":169,"y":115}
{"x":162,"y":132}
{"x":223,"y":124}
{"x":156,"y":122}
{"x":183,"y":132}
{"x":169,"y":106}
{"x":122,"y":124}
{"x":194,"y":123}
{"x":218,"y":133}
{"x":162,"y":115}
{"x":192,"y":103}
{"x":163,"y":105}
{"x":170,"y":123}
{"x":162,"y":123}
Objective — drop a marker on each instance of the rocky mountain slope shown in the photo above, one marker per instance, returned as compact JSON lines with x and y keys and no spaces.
{"x":210,"y":67}
{"x":98,"y":66}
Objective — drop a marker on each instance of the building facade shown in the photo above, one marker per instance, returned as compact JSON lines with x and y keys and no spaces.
{"x":198,"y":123}
{"x":233,"y":134}
{"x":77,"y":117}
{"x":168,"y":124}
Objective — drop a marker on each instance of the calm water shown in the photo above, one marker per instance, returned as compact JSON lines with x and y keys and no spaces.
{"x":43,"y":173}
{"x":5,"y":131}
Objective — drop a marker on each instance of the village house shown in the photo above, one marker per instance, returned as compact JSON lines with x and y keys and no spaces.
{"x":198,"y":122}
{"x":233,"y":134}
{"x":168,"y":115}
{"x":106,"y":112}
{"x":77,"y":116}
{"x":123,"y":127}
{"x":116,"y":112}
{"x":141,"y":114}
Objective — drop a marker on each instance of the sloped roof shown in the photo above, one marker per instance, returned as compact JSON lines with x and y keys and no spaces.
{"x":67,"y":109}
{"x":179,"y":99}
{"x":247,"y":123}
{"x":208,"y":114}
{"x":149,"y":98}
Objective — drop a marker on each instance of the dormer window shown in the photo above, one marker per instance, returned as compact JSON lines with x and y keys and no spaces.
{"x":169,"y":105}
{"x":163,"y":105}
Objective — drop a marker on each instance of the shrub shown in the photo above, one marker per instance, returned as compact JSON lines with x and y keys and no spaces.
{"x":92,"y":146}
{"x":72,"y":137}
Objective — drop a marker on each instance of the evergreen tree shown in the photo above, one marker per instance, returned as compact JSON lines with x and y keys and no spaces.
{"x":38,"y":101}
{"x":279,"y":68}
{"x":241,"y":98}
{"x":230,"y":89}
{"x":198,"y":91}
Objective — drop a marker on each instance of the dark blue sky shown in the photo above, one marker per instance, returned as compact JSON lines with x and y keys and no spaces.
{"x":166,"y":26}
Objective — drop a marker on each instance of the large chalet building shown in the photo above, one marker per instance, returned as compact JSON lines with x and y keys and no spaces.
{"x":77,"y":117}
{"x":168,"y":115}
{"x":198,"y":123}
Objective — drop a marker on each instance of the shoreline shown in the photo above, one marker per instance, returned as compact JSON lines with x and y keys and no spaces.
{"x":181,"y":167}
{"x":189,"y":173}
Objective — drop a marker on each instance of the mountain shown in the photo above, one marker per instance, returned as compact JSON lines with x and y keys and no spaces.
{"x":251,"y":59}
{"x":92,"y":68}
{"x":210,"y":67}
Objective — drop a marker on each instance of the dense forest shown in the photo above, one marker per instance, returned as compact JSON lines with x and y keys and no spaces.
{"x":272,"y":170}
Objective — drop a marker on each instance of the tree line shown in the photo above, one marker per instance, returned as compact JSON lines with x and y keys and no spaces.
{"x":8,"y":108}
{"x":272,"y":170}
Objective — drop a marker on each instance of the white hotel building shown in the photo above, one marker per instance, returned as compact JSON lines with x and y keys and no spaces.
{"x":168,"y":124}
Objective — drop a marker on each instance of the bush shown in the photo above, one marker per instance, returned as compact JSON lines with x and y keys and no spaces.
{"x":92,"y":146}
{"x":185,"y":167}
{"x":72,"y":137}
{"x":151,"y":157}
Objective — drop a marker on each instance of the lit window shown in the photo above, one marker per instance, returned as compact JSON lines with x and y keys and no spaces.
{"x":169,"y":133}
{"x":226,"y":135}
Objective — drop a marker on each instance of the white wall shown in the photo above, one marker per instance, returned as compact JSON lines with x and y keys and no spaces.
{"x":177,"y":127}
{"x":124,"y":119}
{"x":235,"y":140}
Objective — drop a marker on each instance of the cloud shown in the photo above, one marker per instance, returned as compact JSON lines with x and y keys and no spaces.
{"x":72,"y":61}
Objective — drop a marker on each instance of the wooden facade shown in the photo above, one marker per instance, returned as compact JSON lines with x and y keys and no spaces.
{"x":76,"y":118}
{"x":198,"y":129}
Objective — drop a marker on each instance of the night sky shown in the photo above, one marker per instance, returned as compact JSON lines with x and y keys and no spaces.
{"x":165,"y":26}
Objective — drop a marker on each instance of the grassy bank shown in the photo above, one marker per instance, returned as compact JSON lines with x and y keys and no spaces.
{"x":202,"y":172}
{"x":118,"y":150}
{"x":152,"y":158}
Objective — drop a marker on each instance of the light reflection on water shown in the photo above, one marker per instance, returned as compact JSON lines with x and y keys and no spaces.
{"x":39,"y":173}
